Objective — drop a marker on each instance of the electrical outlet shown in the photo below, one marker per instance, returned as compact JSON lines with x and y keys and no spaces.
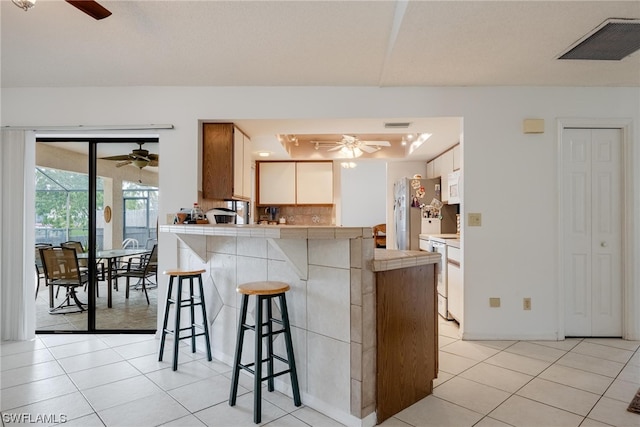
{"x":494,"y":302}
{"x":526,"y":303}
{"x":474,"y":219}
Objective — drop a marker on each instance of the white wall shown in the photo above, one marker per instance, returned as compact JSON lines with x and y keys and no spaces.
{"x":363,"y":189}
{"x":509,"y":177}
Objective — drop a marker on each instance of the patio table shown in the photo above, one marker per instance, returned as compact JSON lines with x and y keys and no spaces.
{"x":111,"y":256}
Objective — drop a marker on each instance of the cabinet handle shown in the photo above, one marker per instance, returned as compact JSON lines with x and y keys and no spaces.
{"x":603,"y":244}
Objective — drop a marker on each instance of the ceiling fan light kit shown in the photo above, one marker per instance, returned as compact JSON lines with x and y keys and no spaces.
{"x":24,"y":4}
{"x":138,"y":157}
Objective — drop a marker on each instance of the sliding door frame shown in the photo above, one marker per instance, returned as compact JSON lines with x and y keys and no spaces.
{"x":92,"y":159}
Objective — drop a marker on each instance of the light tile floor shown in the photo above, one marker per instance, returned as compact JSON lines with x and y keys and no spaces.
{"x":126,"y":313}
{"x":116,"y":380}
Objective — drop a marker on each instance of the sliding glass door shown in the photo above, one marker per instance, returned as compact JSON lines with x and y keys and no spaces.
{"x":90,"y":195}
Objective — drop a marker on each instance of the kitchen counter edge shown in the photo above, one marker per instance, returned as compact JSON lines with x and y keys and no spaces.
{"x":390,"y":259}
{"x":270,"y":231}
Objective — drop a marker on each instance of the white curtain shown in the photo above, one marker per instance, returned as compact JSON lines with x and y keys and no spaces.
{"x":17,"y":235}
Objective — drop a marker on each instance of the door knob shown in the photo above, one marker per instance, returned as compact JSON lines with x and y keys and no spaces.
{"x":603,"y":244}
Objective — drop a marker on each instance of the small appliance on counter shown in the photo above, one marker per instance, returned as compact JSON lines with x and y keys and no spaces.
{"x":222,"y":216}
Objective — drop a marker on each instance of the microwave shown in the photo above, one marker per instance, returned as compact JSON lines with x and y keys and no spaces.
{"x":453,"y":187}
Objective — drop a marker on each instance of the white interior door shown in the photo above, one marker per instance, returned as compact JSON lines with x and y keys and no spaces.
{"x":592,"y":248}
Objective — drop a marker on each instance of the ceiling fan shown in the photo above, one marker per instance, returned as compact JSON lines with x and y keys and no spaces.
{"x":138,"y":157}
{"x":90,"y":7}
{"x":353,"y":147}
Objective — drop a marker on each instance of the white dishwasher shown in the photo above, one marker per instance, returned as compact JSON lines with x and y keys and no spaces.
{"x":438,"y":243}
{"x":454,"y":282}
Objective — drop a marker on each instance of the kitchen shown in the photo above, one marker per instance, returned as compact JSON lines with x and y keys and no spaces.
{"x":308,"y":191}
{"x":286,"y":193}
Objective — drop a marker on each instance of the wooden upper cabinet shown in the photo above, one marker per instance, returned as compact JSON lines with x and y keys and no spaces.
{"x":226,"y":162}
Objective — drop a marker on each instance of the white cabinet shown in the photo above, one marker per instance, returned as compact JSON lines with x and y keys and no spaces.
{"x":241,"y":165}
{"x":446,"y":167}
{"x":314,"y":183}
{"x":295,"y":183}
{"x":436,"y":167}
{"x":277,"y":183}
{"x":430,"y":173}
{"x":457,"y":153}
{"x":454,"y":283}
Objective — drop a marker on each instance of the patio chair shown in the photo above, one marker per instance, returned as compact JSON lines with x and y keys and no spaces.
{"x":141,"y":268}
{"x":130,"y":243}
{"x":61,"y":268}
{"x":39,"y":268}
{"x":101,"y":275}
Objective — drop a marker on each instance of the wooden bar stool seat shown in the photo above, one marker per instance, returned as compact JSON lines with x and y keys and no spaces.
{"x":191,"y":302}
{"x":264,"y":293}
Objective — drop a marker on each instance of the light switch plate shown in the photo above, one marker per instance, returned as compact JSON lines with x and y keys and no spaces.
{"x":474,"y":219}
{"x":494,"y":302}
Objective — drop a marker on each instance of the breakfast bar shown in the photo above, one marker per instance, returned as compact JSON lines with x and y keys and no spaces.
{"x":343,"y":305}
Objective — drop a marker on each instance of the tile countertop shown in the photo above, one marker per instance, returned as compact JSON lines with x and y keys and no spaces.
{"x":270,"y":231}
{"x":389,"y":259}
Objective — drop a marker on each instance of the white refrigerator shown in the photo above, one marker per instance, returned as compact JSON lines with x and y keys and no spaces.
{"x":409,"y":194}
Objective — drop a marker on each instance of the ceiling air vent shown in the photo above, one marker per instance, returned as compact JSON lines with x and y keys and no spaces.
{"x":610,"y":41}
{"x":397,"y":125}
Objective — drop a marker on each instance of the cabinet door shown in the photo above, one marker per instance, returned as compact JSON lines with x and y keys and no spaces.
{"x":456,"y":157}
{"x":430,"y":174}
{"x":247,"y":183}
{"x":446,"y":167}
{"x":314,"y":183}
{"x":217,"y":161}
{"x":238,"y":163}
{"x":276,"y":183}
{"x":436,"y":167}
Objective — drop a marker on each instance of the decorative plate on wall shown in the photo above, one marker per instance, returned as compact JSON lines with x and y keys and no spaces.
{"x":107,"y":214}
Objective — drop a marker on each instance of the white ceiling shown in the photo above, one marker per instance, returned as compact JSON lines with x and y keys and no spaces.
{"x":310,"y":43}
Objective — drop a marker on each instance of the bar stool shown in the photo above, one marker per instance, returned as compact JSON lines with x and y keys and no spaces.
{"x":180,"y":303}
{"x":264,"y":292}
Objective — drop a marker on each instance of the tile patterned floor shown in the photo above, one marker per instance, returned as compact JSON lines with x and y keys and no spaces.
{"x":115,"y":380}
{"x":126,"y":313}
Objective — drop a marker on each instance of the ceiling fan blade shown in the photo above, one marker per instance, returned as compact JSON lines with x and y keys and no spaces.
{"x":336,"y":148}
{"x":120,"y":157}
{"x":154,"y":163}
{"x":91,"y":8}
{"x":124,"y":163}
{"x":368,"y":149}
{"x":154,"y":157}
{"x":379,"y":143}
